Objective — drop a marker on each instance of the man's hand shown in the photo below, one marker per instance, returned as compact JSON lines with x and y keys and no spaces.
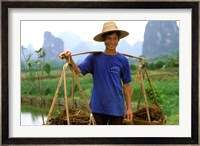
{"x":129,"y":116}
{"x":127,"y":93}
{"x":65,"y":54}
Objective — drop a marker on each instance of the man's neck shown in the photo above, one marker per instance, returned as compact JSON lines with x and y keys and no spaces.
{"x":110,"y":52}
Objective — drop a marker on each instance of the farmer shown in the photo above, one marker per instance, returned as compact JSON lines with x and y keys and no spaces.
{"x":110,"y":70}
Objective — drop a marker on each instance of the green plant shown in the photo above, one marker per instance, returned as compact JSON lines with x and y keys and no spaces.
{"x":34,"y":70}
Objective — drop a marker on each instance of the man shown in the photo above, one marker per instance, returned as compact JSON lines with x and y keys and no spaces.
{"x":110,"y":70}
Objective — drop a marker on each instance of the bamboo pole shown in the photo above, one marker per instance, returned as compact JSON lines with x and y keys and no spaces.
{"x":145,"y":99}
{"x":134,"y":84}
{"x":65,"y":92}
{"x":82,"y":93}
{"x":81,"y":90}
{"x":155,"y":98}
{"x":82,"y":53}
{"x":54,"y":99}
{"x":140,"y":94}
{"x":72,"y":96}
{"x":91,"y":121}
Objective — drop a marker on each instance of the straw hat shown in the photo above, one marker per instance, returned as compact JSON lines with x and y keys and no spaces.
{"x":108,"y":27}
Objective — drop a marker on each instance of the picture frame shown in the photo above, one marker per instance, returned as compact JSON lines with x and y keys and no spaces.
{"x":7,"y":6}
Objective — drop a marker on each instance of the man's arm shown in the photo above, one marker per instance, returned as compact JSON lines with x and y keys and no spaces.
{"x":127,"y":94}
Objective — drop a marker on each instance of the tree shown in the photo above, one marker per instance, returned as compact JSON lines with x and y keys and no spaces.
{"x":172,"y":61}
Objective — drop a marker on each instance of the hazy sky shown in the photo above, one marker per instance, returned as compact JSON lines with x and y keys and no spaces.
{"x":32,"y":32}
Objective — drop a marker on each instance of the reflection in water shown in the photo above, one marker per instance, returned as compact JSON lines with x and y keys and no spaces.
{"x":29,"y":119}
{"x":32,"y":114}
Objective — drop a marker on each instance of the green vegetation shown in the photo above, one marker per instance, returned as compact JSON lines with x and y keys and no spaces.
{"x":167,"y":93}
{"x":34,"y":72}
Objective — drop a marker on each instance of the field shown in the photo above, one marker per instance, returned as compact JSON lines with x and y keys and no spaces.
{"x":165,"y":84}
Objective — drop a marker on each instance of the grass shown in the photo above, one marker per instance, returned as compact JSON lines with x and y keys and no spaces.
{"x":165,"y":84}
{"x":166,"y":88}
{"x":168,"y":97}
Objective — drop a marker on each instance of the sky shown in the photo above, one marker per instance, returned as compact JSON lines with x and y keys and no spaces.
{"x":32,"y":32}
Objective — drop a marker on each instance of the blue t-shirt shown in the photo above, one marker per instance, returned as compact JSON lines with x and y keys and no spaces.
{"x":109,"y":71}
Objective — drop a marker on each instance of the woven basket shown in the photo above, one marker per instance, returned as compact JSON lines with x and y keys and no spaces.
{"x":138,"y":121}
{"x":155,"y":113}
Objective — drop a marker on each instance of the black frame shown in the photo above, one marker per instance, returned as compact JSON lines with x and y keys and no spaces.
{"x":98,"y":5}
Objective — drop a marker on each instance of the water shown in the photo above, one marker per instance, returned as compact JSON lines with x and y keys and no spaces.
{"x":32,"y":114}
{"x":29,"y":119}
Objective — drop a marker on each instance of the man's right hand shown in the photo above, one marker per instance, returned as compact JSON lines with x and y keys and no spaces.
{"x":65,"y":54}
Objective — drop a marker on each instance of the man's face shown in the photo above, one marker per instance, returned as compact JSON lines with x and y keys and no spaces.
{"x":111,"y":41}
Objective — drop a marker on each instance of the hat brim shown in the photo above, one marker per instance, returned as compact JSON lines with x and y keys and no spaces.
{"x":99,"y":37}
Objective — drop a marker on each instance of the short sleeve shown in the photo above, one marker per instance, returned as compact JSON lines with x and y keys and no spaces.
{"x":126,"y":72}
{"x":86,"y":65}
